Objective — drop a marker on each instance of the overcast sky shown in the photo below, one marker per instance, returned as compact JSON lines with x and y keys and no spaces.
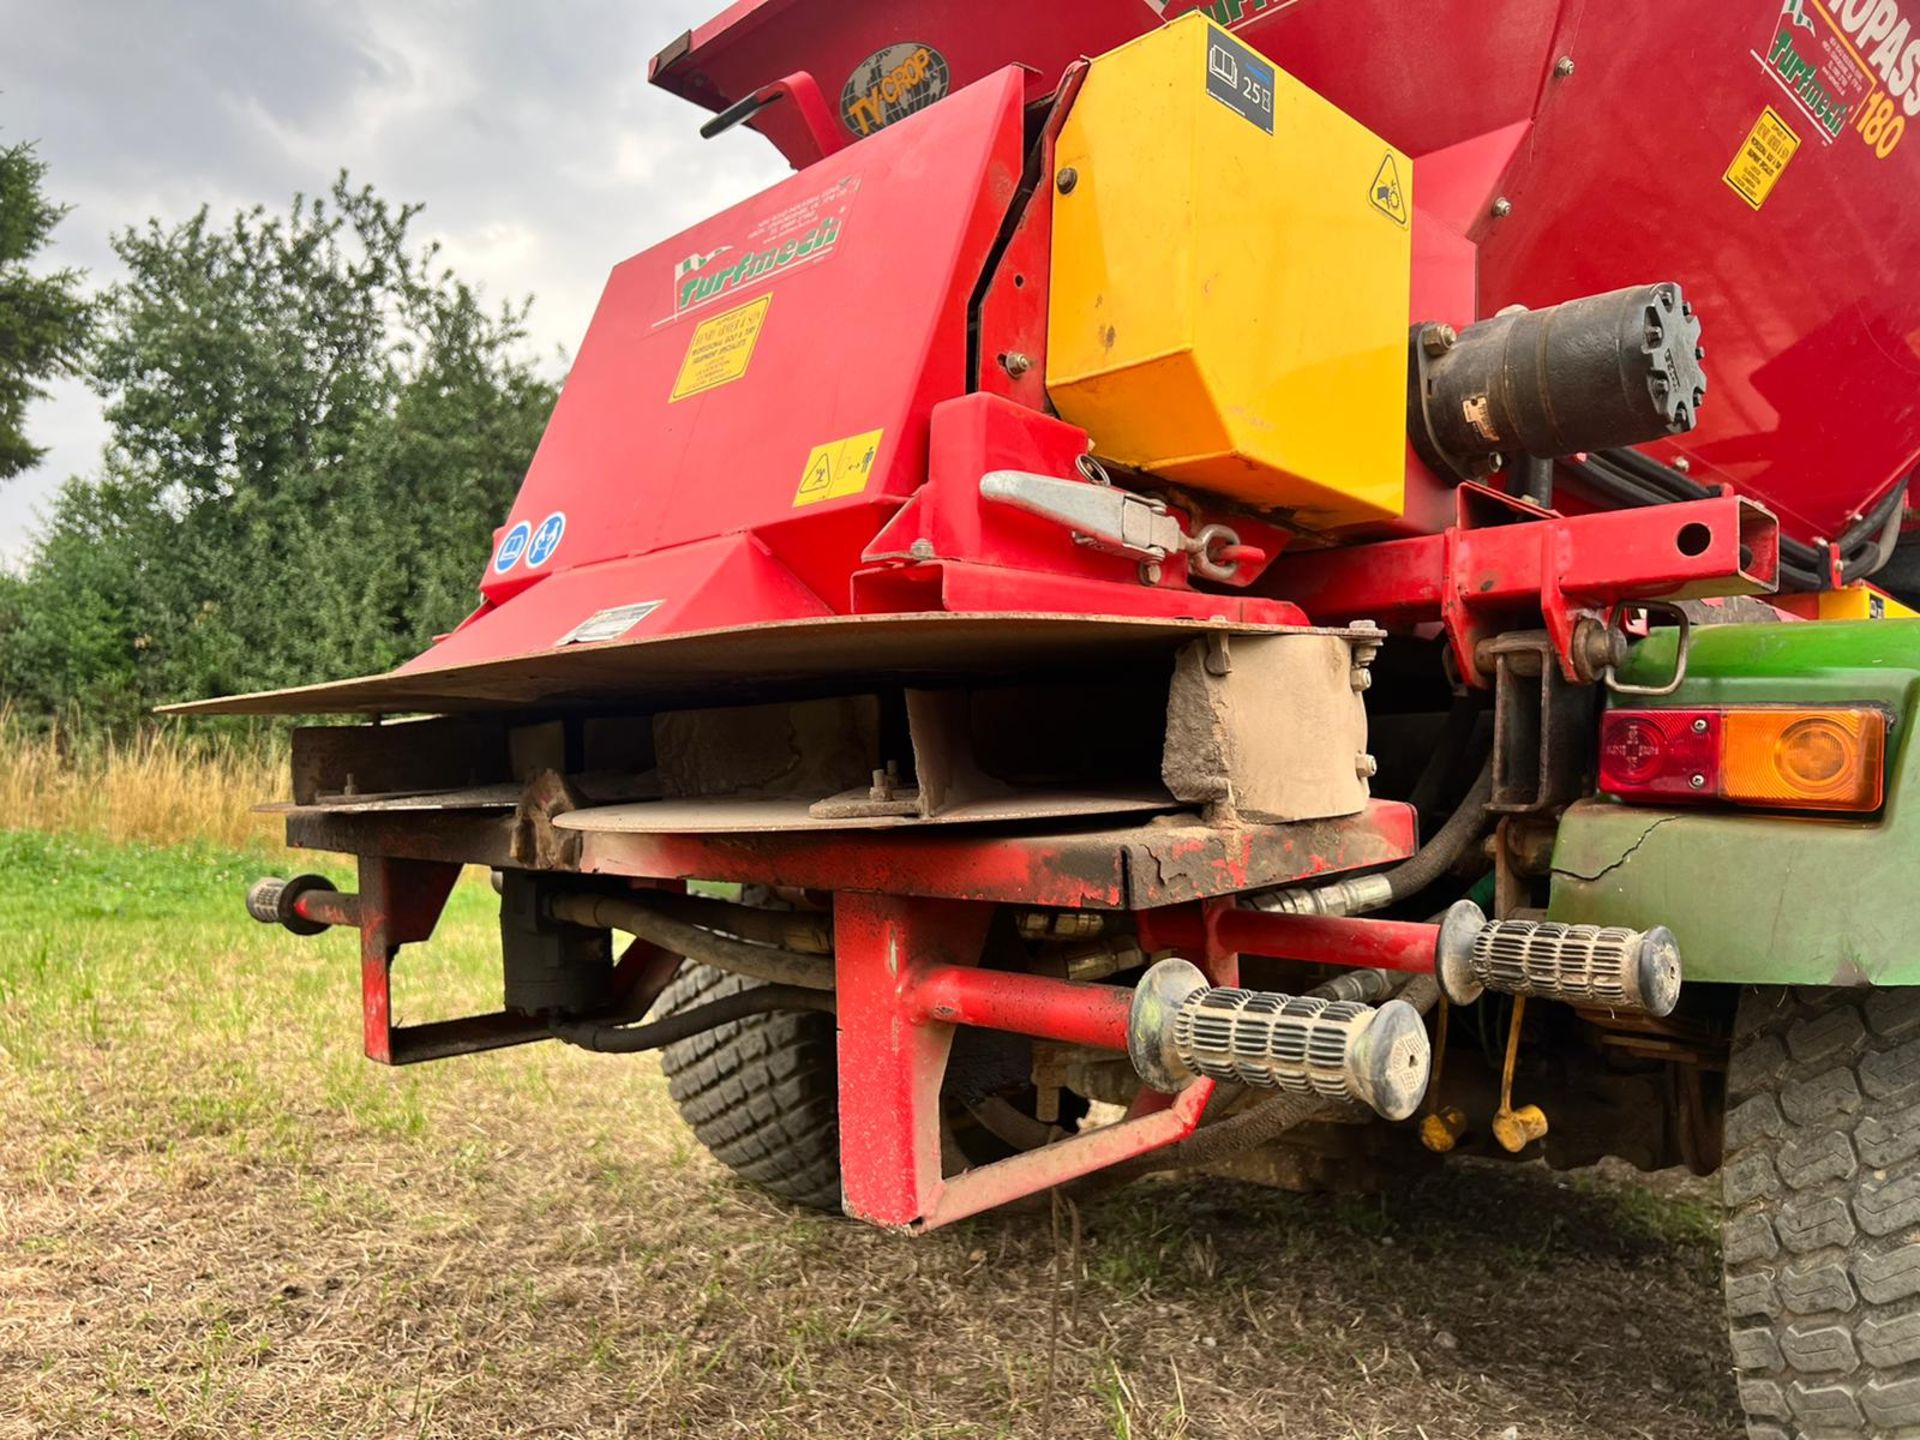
{"x":526,"y":129}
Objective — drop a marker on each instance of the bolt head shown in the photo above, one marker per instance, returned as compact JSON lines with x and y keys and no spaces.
{"x":1563,"y":67}
{"x":1502,"y":208}
{"x":1066,"y":180}
{"x":921,"y":550}
{"x":1436,"y":340}
{"x":1698,"y":782}
{"x":1150,"y":572}
{"x":1700,"y":727}
{"x":1015,"y":363}
{"x":1365,"y":766}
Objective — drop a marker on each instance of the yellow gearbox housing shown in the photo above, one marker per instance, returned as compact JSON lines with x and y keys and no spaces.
{"x":1230,"y":268}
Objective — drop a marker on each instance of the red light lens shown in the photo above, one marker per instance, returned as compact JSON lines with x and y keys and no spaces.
{"x":1660,"y":754}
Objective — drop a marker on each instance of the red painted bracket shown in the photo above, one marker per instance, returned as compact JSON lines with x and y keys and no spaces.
{"x":1506,"y":563}
{"x":905,"y":975}
{"x":399,"y":903}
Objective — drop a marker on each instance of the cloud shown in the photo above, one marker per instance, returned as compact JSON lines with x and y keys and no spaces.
{"x":528,"y":132}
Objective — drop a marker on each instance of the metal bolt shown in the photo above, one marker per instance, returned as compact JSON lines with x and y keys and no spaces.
{"x":1563,"y":67}
{"x":1015,"y":363}
{"x":1150,"y":572}
{"x":1700,"y":727}
{"x":1502,"y":208}
{"x":1682,"y":464}
{"x":921,"y":550}
{"x":1436,"y":340}
{"x":1067,"y":179}
{"x":1361,"y":679}
{"x":1698,"y":782}
{"x":1365,"y":766}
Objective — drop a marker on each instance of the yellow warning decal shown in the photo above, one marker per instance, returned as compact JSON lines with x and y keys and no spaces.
{"x":720,"y":349}
{"x":838,"y":468}
{"x":1388,"y":195}
{"x":1762,"y":156}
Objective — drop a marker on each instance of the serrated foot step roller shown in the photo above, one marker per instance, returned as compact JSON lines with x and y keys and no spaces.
{"x":1181,"y":1028}
{"x":1606,"y":967}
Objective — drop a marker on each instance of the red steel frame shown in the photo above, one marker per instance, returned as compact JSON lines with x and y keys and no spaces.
{"x":910,"y":917}
{"x":1505,"y":561}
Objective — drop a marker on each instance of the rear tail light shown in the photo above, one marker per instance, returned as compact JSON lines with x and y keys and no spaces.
{"x":1791,"y":758}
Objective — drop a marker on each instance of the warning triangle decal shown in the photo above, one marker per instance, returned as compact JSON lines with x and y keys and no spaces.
{"x":819,"y":477}
{"x":1387,"y":195}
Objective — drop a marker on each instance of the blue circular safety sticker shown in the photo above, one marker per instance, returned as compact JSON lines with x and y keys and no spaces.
{"x":512,"y":548}
{"x":546,"y":539}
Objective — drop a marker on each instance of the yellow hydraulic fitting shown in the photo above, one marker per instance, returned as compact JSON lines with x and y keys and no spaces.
{"x":1516,"y":1129}
{"x":1442,"y":1128}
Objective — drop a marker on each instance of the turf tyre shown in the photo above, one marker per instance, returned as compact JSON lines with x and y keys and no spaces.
{"x":761,"y":1094}
{"x":1822,"y":1189}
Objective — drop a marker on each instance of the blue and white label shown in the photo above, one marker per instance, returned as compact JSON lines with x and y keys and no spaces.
{"x":512,"y":547}
{"x":546,"y":539}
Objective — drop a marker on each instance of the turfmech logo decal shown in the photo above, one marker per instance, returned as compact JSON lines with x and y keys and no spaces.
{"x":798,"y":234}
{"x":1847,"y":65}
{"x":709,"y":281}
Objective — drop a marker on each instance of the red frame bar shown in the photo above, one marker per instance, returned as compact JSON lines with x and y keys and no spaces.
{"x":1127,"y":868}
{"x":1070,"y":1011}
{"x":1505,"y":561}
{"x":1316,"y":939}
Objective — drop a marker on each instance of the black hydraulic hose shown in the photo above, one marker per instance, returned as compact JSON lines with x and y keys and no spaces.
{"x":1878,"y":533}
{"x":722,"y":952}
{"x":1455,"y":735}
{"x":612,"y":1038}
{"x":1449,"y":842}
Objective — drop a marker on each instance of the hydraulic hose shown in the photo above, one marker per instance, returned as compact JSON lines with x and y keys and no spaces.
{"x":761,"y":962}
{"x":1455,"y":735}
{"x":1362,"y":893}
{"x":611,"y":1038}
{"x":1884,"y":520}
{"x":1449,"y":842}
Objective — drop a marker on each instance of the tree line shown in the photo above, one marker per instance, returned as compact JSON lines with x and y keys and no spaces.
{"x":313,"y":427}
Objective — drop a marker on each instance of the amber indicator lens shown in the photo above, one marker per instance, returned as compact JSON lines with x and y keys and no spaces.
{"x":1805,"y":759}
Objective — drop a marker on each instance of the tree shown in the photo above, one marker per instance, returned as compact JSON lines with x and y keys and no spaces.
{"x":43,"y":318}
{"x":314,"y":429}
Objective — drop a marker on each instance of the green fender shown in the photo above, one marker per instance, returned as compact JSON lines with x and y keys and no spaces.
{"x":1766,"y":898}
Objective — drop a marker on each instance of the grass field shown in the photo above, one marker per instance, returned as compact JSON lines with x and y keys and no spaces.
{"x":216,"y":1220}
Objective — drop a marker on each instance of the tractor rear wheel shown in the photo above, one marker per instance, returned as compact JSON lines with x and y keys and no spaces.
{"x":761,"y":1093}
{"x":1822,"y":1184}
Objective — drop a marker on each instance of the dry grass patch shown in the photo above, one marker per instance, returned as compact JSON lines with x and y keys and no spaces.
{"x":216,"y":1220}
{"x":163,"y":787}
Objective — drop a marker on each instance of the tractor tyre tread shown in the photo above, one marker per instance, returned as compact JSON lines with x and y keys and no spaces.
{"x":761,"y":1094}
{"x":1822,"y":1189}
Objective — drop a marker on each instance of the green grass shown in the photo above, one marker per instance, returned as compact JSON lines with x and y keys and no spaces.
{"x":217,"y":1220}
